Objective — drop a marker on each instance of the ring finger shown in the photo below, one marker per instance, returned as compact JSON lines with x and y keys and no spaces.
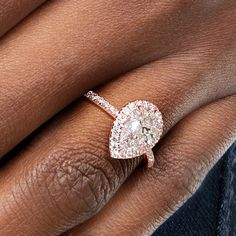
{"x":66,"y":174}
{"x":184,"y":158}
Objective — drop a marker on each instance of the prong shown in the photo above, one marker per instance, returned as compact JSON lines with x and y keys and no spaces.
{"x":150,"y":158}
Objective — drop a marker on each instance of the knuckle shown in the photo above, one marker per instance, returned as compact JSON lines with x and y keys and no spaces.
{"x":82,"y":174}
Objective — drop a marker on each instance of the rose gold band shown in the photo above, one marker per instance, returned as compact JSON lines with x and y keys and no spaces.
{"x":102,"y":103}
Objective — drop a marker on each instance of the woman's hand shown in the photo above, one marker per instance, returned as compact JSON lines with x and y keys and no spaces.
{"x":64,"y":175}
{"x":183,"y":159}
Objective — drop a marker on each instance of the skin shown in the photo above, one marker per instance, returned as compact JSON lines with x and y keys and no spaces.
{"x":13,"y":11}
{"x":63,"y":175}
{"x":44,"y":59}
{"x":148,"y":198}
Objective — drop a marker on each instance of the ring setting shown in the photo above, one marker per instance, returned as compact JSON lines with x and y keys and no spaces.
{"x":137,"y":128}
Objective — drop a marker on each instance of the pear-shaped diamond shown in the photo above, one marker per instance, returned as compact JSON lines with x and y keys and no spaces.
{"x":136,"y":130}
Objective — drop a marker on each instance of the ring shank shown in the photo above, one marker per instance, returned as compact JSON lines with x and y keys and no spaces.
{"x":102,"y":103}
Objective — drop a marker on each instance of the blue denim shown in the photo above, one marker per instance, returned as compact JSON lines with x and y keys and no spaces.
{"x":212,"y":209}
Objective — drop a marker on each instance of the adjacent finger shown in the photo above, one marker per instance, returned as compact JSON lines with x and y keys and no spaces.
{"x":66,"y":175}
{"x":13,"y":11}
{"x":184,"y":158}
{"x":69,"y":46}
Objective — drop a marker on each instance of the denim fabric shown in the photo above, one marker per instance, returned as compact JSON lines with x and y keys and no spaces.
{"x":227,"y":216}
{"x":212,"y":209}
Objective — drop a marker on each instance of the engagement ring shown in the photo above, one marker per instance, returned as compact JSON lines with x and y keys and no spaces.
{"x":137,"y":128}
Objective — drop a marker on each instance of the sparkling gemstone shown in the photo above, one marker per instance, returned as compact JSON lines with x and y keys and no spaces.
{"x":134,"y":125}
{"x":136,"y":130}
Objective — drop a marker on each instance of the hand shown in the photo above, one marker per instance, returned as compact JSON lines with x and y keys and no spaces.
{"x":183,"y":159}
{"x":64,"y":175}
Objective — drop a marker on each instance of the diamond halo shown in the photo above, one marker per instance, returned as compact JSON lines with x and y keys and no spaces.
{"x":137,"y":128}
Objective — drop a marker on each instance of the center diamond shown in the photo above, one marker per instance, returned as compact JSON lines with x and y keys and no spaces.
{"x":135,"y":126}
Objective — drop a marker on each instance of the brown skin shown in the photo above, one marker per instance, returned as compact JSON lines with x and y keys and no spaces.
{"x":65,"y":175}
{"x":70,"y":46}
{"x":149,"y":197}
{"x":13,"y":11}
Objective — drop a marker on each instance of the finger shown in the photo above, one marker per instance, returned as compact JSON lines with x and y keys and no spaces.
{"x":13,"y":11}
{"x":67,"y":47}
{"x":186,"y":155}
{"x":66,"y":174}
